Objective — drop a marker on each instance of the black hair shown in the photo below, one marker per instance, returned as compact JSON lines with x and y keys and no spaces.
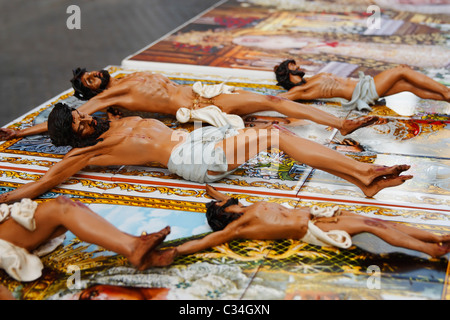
{"x":60,"y":125}
{"x":60,"y":129}
{"x":282,"y":73}
{"x":216,"y":215}
{"x":81,"y":91}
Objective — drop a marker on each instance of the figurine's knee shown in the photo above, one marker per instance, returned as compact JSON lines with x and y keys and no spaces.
{"x":66,"y":204}
{"x":63,"y":200}
{"x":262,"y":138}
{"x":402,"y":72}
{"x":405,"y":70}
{"x":273,"y":136}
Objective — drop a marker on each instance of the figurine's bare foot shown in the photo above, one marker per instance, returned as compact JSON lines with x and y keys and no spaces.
{"x":145,"y":244}
{"x":445,"y":238}
{"x":439,"y":249}
{"x":447,"y":95}
{"x":159,"y":258}
{"x":383,"y":182}
{"x":379,"y":171}
{"x":351,"y":125}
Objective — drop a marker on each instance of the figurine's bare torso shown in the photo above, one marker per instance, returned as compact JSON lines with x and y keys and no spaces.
{"x":125,"y":136}
{"x":150,"y":92}
{"x":272,"y":221}
{"x":330,"y":85}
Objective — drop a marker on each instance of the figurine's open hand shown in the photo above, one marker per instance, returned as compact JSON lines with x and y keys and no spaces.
{"x":4,"y":197}
{"x":114,"y":113}
{"x":7,"y":134}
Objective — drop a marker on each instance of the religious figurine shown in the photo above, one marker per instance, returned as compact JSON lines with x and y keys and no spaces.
{"x":218,"y":105}
{"x":230,"y":220}
{"x":29,"y":229}
{"x":360,"y":94}
{"x":206,"y":154}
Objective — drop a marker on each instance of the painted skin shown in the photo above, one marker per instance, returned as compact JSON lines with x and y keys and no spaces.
{"x":388,"y":82}
{"x":55,"y":217}
{"x":272,"y":221}
{"x":149,"y":92}
{"x":123,"y":143}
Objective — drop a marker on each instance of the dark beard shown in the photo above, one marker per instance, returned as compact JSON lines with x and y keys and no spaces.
{"x":101,"y":127}
{"x":298,"y":73}
{"x":105,"y":77}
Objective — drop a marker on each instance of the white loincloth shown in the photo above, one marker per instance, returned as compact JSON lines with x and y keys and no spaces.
{"x":316,"y":236}
{"x":197,"y":155}
{"x":210,"y":114}
{"x":365,"y":93}
{"x":16,"y":261}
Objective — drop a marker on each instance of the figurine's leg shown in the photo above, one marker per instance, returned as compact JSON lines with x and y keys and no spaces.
{"x":326,"y":159}
{"x":412,"y":231}
{"x":418,"y":233}
{"x":370,"y":178}
{"x":57,"y":216}
{"x":244,"y":103}
{"x":403,"y":86}
{"x":394,"y":236}
{"x":386,"y":80}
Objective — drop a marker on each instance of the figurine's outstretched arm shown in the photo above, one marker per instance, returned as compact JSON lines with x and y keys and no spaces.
{"x":57,"y":174}
{"x":296,"y":93}
{"x":8,"y":134}
{"x":211,"y":240}
{"x":112,"y":97}
{"x":217,"y":195}
{"x":236,"y":229}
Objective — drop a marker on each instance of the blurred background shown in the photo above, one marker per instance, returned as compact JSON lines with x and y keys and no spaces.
{"x":38,"y":51}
